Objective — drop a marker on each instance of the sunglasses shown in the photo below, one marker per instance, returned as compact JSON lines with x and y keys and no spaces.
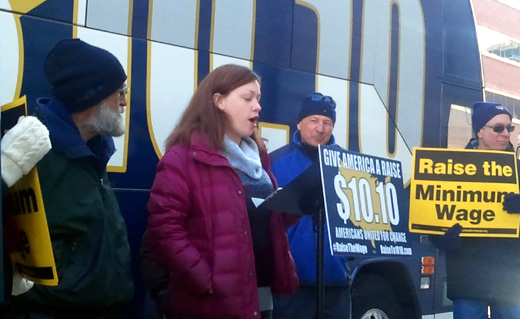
{"x":500,"y":128}
{"x":320,"y":97}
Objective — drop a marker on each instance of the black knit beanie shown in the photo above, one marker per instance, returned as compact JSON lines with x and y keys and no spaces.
{"x":318,"y":104}
{"x":485,"y":111}
{"x":81,"y":74}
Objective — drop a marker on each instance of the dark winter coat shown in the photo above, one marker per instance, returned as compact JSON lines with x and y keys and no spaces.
{"x":88,"y":233}
{"x":484,"y":268}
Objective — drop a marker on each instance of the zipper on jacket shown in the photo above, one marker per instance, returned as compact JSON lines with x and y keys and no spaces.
{"x":102,"y":189}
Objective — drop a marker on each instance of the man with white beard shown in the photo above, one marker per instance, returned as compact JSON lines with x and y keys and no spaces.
{"x":87,"y":230}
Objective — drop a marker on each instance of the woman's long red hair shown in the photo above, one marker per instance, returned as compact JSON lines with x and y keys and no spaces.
{"x":202,"y":116}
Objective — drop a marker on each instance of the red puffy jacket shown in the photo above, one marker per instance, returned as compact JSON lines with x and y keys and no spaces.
{"x":198,"y":227}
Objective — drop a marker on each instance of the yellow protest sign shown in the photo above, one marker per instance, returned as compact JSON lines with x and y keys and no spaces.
{"x":26,"y":230}
{"x":465,"y":187}
{"x":32,"y":253}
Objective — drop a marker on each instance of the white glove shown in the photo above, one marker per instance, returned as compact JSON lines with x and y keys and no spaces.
{"x":20,"y":284}
{"x":22,"y":147}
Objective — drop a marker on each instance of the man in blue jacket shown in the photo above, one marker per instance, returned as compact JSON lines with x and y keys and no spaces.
{"x":315,"y":123}
{"x":88,"y":233}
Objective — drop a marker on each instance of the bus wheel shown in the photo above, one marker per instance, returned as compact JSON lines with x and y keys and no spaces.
{"x":374,"y":298}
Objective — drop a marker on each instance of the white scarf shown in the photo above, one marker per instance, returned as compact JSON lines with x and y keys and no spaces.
{"x":245,"y":158}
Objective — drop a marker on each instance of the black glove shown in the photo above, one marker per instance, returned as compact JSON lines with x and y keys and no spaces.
{"x":512,"y":203}
{"x":450,"y":240}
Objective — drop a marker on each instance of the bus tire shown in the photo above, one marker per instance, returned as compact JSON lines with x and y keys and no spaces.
{"x":373,"y":297}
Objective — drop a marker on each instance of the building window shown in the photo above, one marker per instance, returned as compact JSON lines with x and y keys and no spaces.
{"x":512,"y":104}
{"x":509,"y":50}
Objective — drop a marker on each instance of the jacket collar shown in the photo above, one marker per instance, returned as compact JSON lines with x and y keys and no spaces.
{"x":310,"y":151}
{"x":297,"y":138}
{"x":473,"y":144}
{"x":201,"y":150}
{"x":65,"y":136}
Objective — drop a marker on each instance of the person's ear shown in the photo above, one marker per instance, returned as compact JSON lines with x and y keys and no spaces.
{"x":218,"y":101}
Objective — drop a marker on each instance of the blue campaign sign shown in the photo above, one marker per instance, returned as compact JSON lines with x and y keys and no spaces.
{"x":364,"y":211}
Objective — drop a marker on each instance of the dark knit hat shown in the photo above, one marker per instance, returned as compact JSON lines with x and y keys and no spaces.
{"x":485,"y":111}
{"x":81,"y":74}
{"x":318,"y":104}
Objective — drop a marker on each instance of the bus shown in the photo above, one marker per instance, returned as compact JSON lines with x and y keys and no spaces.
{"x":394,"y":67}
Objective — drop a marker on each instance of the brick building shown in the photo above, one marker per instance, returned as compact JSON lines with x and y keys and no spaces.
{"x":498,"y":32}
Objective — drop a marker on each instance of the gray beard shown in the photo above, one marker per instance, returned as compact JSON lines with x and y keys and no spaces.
{"x":108,"y":122}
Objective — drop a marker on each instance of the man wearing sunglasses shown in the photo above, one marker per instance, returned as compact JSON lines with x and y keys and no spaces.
{"x":315,"y":123}
{"x":491,"y":123}
{"x":494,"y":279}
